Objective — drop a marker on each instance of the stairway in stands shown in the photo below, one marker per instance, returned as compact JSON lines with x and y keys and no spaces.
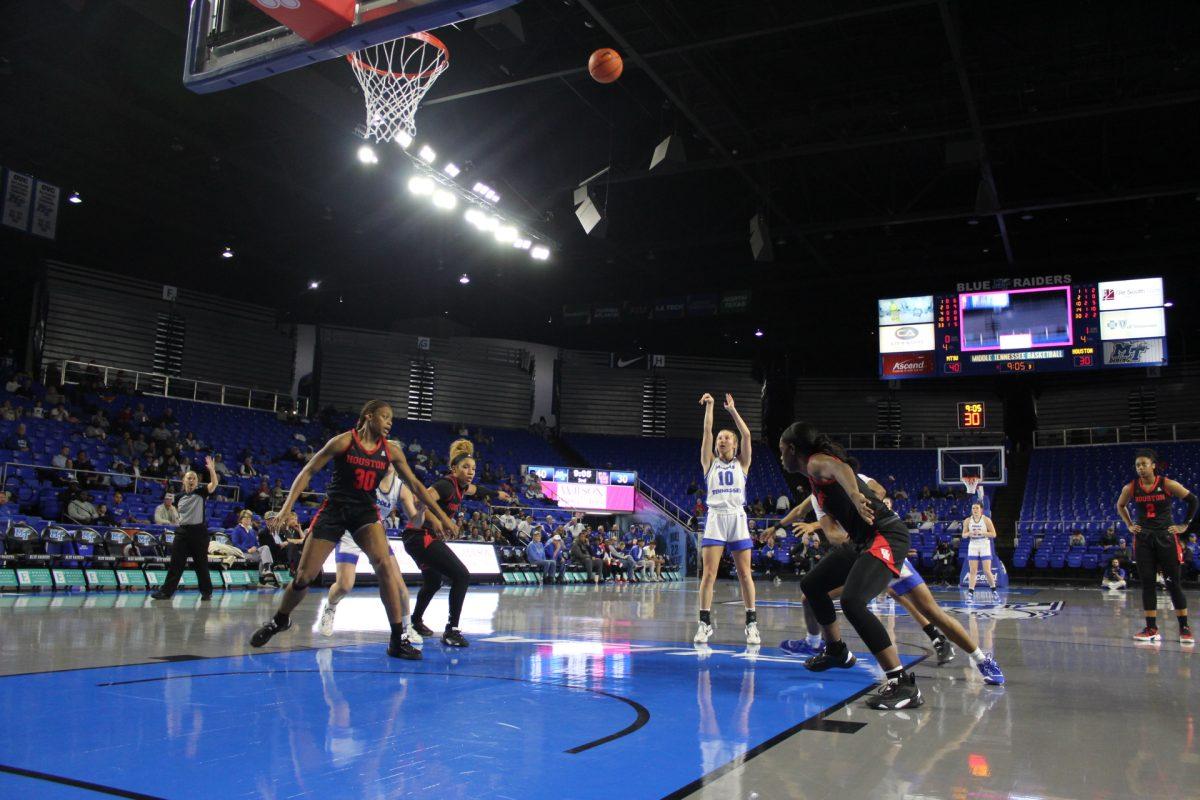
{"x":1006,"y":502}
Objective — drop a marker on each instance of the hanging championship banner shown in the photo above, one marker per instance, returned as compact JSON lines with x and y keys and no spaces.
{"x":18,"y":194}
{"x":45,"y":210}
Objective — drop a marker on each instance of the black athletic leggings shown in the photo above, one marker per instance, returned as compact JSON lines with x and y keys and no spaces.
{"x":190,"y":540}
{"x":863,"y":577}
{"x":436,"y":560}
{"x":1154,"y":551}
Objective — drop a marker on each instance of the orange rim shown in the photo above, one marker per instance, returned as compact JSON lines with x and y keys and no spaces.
{"x":424,"y":36}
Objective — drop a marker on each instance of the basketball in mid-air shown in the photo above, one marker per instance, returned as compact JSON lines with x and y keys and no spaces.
{"x":605,"y":65}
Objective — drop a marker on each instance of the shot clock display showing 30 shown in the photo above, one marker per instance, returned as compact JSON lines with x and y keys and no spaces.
{"x":972,"y":416}
{"x":1023,"y":325}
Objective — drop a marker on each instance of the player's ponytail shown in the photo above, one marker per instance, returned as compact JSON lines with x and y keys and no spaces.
{"x":809,"y":441}
{"x":369,"y":409}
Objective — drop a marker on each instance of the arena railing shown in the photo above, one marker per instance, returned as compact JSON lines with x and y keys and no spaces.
{"x":134,"y":487}
{"x":665,"y":503}
{"x":1118,"y":434}
{"x":160,"y":385}
{"x":896,"y":440}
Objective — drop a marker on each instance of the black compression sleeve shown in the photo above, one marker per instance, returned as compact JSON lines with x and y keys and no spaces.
{"x":1193,"y":505}
{"x":486,"y":495}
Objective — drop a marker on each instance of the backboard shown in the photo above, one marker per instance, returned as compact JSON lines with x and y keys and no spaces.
{"x":987,"y":463}
{"x":233,"y":42}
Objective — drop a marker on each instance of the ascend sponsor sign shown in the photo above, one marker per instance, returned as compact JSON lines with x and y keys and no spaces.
{"x":907,"y":364}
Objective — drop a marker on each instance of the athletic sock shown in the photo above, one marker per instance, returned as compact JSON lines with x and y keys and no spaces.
{"x":894,"y":675}
{"x":1151,"y":622}
{"x":706,"y":616}
{"x":977,"y":656}
{"x":751,"y":616}
{"x":398,"y":634}
{"x":813,"y":640}
{"x":931,"y":632}
{"x":1182,"y":620}
{"x":281,"y":619}
{"x":407,"y":621}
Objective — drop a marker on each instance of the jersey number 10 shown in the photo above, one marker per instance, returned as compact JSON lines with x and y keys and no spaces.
{"x":725,"y":478}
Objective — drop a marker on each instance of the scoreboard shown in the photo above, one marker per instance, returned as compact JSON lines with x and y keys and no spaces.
{"x":1021,"y":328}
{"x":972,"y":416}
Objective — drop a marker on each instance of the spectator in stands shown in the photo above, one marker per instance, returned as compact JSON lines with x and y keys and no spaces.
{"x":783,"y":504}
{"x":766,"y":556}
{"x":100,"y":420}
{"x":80,"y":510}
{"x":170,"y":463}
{"x":508,"y":526}
{"x":581,"y":553}
{"x":160,"y":433}
{"x":926,"y":493}
{"x":293,"y":540}
{"x":192,"y":443}
{"x":414,"y":447}
{"x":525,"y":529}
{"x":1113,"y":578}
{"x":7,"y":507}
{"x":104,"y":516}
{"x":166,"y":513}
{"x":63,"y":459}
{"x":247,"y":470}
{"x":1108,"y":539}
{"x":60,"y":414}
{"x":1122,"y":554}
{"x":293,"y":455}
{"x":139,"y":445}
{"x":393,"y":521}
{"x":219,"y":464}
{"x":168,"y":420}
{"x":944,"y":570}
{"x":533,"y":486}
{"x":244,"y":536}
{"x":652,"y":559}
{"x":698,"y":509}
{"x":619,"y":559}
{"x":278,"y":494}
{"x":928,"y":519}
{"x":19,"y":440}
{"x":260,"y":501}
{"x":535,"y":554}
{"x":118,"y":510}
{"x":86,"y":470}
{"x":38,"y":411}
{"x":1077,"y":539}
{"x":7,"y":412}
{"x":53,"y":396}
{"x":899,"y":493}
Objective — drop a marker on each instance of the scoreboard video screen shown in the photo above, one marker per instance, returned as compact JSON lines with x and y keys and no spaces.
{"x":1022,"y":326}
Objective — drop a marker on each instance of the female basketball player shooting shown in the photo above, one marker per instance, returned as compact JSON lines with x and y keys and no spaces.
{"x":980,"y":534}
{"x":361,"y":457}
{"x":390,"y":493}
{"x":725,"y":528}
{"x":1156,"y":540}
{"x":433,"y":556}
{"x":862,"y":568}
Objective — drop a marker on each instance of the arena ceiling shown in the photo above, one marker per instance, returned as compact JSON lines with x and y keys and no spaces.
{"x":892,"y":147}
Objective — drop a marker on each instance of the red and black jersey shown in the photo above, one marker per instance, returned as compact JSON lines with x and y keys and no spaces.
{"x":450,"y":495}
{"x":357,"y":472}
{"x":1153,"y":504}
{"x":838,"y":505}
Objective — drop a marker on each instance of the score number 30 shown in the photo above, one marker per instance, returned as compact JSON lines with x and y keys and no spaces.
{"x":972,"y":416}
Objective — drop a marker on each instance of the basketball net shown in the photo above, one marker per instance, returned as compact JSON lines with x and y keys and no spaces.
{"x":394,"y":77}
{"x":972,"y":485}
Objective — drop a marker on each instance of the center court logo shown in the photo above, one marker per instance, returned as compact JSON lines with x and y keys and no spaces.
{"x":1009,"y":610}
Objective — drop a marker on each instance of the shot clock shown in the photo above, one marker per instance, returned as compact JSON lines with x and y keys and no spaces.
{"x":972,"y":416}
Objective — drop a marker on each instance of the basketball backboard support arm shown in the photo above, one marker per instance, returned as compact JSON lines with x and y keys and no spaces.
{"x":218,"y":59}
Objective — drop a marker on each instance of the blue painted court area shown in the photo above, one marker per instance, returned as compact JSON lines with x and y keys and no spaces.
{"x":509,"y":717}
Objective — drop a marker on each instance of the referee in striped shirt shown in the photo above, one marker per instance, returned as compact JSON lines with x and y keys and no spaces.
{"x":191,"y":536}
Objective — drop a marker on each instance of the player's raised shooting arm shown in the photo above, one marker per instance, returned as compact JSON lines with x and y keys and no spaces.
{"x":747,"y":440}
{"x":706,"y":436}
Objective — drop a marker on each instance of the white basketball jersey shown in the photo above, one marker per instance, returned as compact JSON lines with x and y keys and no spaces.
{"x":726,"y":486}
{"x":386,"y":501}
{"x":976,"y":530}
{"x":816,"y":504}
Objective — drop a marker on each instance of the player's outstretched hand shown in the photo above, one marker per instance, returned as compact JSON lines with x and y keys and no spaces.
{"x":864,"y":506}
{"x":729,"y":402}
{"x":706,"y":399}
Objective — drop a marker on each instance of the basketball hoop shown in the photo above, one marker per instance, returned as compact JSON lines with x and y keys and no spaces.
{"x":394,"y":76}
{"x":972,"y":484}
